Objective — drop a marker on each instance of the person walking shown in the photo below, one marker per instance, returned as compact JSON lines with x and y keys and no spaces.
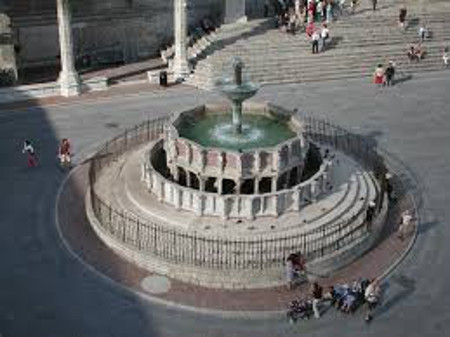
{"x":389,"y":73}
{"x":402,"y":17}
{"x":319,"y":11}
{"x":316,"y":293}
{"x":315,"y":42}
{"x":329,"y":11}
{"x":372,"y":298}
{"x":405,"y":223}
{"x":422,"y":31}
{"x":266,"y":8}
{"x":378,"y":75}
{"x":370,"y":213}
{"x":374,"y":5}
{"x":31,"y":154}
{"x":64,"y":153}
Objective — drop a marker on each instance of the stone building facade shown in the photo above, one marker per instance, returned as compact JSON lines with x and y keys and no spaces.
{"x":8,"y":70}
{"x":109,"y":30}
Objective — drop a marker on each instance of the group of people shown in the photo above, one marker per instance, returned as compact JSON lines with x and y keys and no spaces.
{"x":319,"y":38}
{"x":64,"y":153}
{"x":344,"y":297}
{"x":384,"y":76}
{"x":295,"y":14}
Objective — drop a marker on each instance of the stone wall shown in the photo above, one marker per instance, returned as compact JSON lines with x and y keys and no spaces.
{"x":113,"y":30}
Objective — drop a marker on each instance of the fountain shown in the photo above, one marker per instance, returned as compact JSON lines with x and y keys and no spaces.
{"x":219,"y":199}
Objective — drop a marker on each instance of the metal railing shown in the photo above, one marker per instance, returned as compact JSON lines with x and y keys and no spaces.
{"x":192,"y":248}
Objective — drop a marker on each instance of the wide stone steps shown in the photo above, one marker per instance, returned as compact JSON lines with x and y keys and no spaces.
{"x":360,"y":42}
{"x":327,"y":71}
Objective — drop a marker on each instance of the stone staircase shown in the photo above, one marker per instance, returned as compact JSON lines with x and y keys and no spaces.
{"x":359,"y":43}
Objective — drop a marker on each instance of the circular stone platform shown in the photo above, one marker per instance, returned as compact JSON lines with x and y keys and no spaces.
{"x":81,"y":240}
{"x":232,"y":239}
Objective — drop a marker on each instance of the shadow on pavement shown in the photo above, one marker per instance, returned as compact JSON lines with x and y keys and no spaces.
{"x":45,"y":291}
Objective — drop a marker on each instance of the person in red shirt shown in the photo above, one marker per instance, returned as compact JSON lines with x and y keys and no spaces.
{"x":311,"y":11}
{"x":64,"y":152}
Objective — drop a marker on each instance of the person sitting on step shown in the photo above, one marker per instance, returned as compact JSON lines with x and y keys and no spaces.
{"x":325,"y":36}
{"x":412,"y":56}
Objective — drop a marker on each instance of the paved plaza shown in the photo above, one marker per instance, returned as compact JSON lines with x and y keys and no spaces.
{"x":47,"y":291}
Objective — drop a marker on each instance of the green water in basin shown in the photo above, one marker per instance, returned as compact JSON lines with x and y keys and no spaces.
{"x":217,"y":130}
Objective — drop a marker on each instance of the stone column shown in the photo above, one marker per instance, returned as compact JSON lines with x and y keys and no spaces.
{"x":256,"y":187}
{"x":178,"y":198}
{"x":188,"y":179}
{"x":202,"y":183}
{"x":235,"y":11}
{"x":299,"y":174}
{"x":220,"y":186}
{"x":314,"y":191}
{"x":68,"y":77}
{"x":238,"y":189}
{"x":257,"y":162}
{"x":176,"y":174}
{"x":180,"y":63}
{"x":274,"y":184}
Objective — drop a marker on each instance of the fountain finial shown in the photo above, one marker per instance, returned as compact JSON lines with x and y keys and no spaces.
{"x":237,"y":66}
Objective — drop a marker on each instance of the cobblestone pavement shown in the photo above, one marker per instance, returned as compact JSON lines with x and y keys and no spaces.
{"x":46,"y":292}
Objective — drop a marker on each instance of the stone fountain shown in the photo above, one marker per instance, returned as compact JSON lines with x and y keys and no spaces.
{"x":222,"y":203}
{"x":237,"y":91}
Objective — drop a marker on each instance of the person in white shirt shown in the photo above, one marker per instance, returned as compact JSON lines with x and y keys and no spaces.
{"x":324,"y":35}
{"x":372,"y":297}
{"x":405,"y":223}
{"x":445,"y":58}
{"x":31,"y":155}
{"x":422,"y":33}
{"x":315,"y":42}
{"x":319,"y":9}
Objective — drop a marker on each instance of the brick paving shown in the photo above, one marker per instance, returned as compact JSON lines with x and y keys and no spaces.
{"x":84,"y":242}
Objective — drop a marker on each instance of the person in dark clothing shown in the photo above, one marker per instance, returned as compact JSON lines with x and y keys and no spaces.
{"x":266,"y":8}
{"x":389,"y":73}
{"x":316,"y":293}
{"x":402,"y":17}
{"x":315,"y":42}
{"x":374,"y":4}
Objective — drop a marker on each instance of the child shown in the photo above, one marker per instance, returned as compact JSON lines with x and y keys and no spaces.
{"x":31,"y":155}
{"x":378,"y":75}
{"x":405,"y":223}
{"x":64,"y":152}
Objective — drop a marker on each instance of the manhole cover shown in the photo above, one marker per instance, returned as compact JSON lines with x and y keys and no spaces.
{"x":156,"y":284}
